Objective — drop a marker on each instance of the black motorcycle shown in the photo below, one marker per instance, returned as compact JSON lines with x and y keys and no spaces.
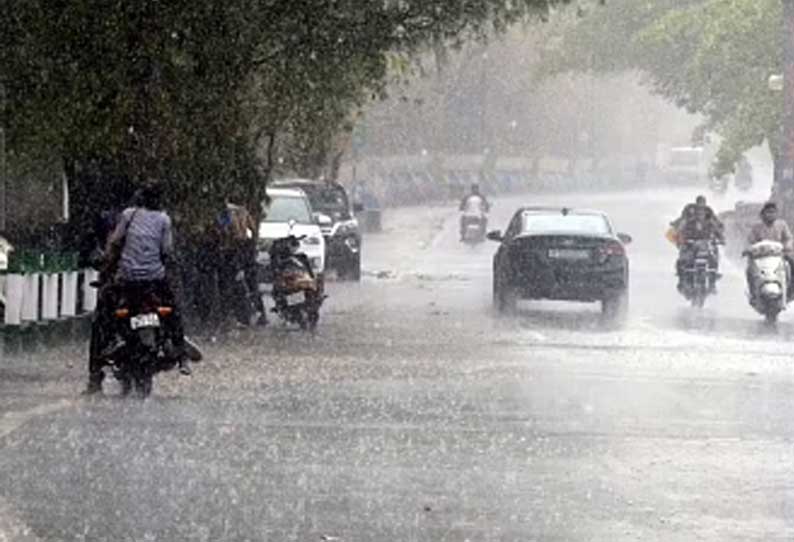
{"x":297,"y":293}
{"x":699,"y":270}
{"x":143,"y":346}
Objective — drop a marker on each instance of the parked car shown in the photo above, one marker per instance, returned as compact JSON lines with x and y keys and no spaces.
{"x":335,"y":215}
{"x":561,"y":254}
{"x":290,"y":213}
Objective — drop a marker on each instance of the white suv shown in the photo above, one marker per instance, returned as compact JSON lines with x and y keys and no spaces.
{"x":290,"y":212}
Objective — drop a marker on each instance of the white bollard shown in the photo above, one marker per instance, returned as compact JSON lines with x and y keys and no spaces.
{"x":14,"y":292}
{"x":49,"y":310}
{"x":89,"y":292}
{"x":30,"y":298}
{"x":69,"y":294}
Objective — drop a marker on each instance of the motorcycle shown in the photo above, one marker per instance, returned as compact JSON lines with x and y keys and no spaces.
{"x":297,"y":293}
{"x":143,"y":347}
{"x":474,"y":229}
{"x":699,"y":273}
{"x":768,"y":277}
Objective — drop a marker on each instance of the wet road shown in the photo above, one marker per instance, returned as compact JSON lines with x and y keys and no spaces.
{"x":418,"y":414}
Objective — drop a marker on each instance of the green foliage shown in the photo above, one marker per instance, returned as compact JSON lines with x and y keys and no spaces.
{"x":204,"y":94}
{"x":603,"y":36}
{"x":720,"y":56}
{"x":711,"y":57}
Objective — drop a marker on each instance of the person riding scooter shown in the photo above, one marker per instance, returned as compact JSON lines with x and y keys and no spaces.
{"x":773,"y":228}
{"x":474,"y":207}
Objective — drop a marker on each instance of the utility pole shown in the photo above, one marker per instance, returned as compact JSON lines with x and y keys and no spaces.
{"x":785,"y":190}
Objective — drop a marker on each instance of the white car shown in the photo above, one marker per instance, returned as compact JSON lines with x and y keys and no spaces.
{"x":5,"y":253}
{"x":290,"y":212}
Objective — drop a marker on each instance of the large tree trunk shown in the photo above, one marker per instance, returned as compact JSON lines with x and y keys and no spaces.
{"x":785,"y":183}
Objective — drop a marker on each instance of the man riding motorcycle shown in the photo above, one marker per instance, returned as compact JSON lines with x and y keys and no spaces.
{"x":688,"y":213}
{"x":138,"y":247}
{"x":474,"y":207}
{"x":698,"y":226}
{"x":773,"y":228}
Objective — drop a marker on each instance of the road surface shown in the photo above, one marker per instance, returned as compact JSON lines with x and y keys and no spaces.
{"x":418,"y":414}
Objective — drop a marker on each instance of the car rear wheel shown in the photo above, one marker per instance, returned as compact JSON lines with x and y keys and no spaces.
{"x":615,"y":308}
{"x":505,"y":299}
{"x":351,"y":270}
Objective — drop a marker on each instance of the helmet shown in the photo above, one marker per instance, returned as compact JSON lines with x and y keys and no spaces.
{"x":151,"y":195}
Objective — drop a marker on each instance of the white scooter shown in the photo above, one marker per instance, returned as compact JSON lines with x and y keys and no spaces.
{"x":768,"y":276}
{"x":474,"y":232}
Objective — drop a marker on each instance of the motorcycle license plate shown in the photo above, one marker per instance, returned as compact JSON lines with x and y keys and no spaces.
{"x":568,"y":254}
{"x":144,"y":320}
{"x":296,"y":299}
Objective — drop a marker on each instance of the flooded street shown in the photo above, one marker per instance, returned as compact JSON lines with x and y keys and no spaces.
{"x":417,"y":413}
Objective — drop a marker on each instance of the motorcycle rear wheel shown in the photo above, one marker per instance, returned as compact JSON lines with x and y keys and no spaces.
{"x":312,"y":319}
{"x":698,"y":300}
{"x":770,"y":316}
{"x":142,"y":376}
{"x":126,"y":385}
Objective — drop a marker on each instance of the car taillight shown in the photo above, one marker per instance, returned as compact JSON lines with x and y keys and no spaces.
{"x":610,"y":249}
{"x":122,"y":313}
{"x":165,"y":311}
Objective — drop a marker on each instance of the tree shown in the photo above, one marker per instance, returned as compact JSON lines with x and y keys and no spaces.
{"x":720,"y":56}
{"x":203,"y":94}
{"x":711,"y":57}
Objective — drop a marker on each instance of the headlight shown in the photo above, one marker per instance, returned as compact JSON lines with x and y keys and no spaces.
{"x":772,"y":290}
{"x":312,"y":241}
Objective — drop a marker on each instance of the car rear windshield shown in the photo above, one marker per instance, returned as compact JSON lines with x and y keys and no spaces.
{"x":286,"y":208}
{"x":572,"y":223}
{"x":331,"y":201}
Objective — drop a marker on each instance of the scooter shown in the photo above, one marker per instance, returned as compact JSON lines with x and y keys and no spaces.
{"x":474,"y":229}
{"x":768,"y":277}
{"x":297,"y":293}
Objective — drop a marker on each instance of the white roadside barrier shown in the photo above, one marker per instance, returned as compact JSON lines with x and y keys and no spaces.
{"x":14,"y":295}
{"x":43,"y":288}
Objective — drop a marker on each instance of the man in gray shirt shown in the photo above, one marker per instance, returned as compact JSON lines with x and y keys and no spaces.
{"x":148,"y":242}
{"x":145,"y":232}
{"x":144,"y":241}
